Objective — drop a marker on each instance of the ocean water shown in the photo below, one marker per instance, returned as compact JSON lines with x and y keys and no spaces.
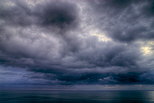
{"x":75,"y":96}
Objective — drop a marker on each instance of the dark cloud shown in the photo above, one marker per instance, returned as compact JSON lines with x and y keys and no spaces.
{"x":125,"y":20}
{"x":17,"y":14}
{"x":48,"y":40}
{"x":116,"y":4}
{"x":102,"y":64}
{"x":148,"y":9}
{"x":57,"y":14}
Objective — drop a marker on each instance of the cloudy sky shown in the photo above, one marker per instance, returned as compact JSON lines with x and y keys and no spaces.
{"x":62,"y":42}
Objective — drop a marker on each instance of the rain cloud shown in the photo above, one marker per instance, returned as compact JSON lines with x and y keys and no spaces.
{"x":77,"y":42}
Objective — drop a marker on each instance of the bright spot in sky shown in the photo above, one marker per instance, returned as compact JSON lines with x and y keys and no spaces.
{"x":100,"y":36}
{"x":148,"y":48}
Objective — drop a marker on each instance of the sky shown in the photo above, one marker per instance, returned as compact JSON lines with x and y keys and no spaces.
{"x":76,"y":42}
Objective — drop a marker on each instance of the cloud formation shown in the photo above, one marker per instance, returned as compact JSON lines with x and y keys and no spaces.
{"x":124,"y":20}
{"x":57,"y":42}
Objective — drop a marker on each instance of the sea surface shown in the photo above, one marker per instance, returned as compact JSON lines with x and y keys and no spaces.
{"x":76,"y":96}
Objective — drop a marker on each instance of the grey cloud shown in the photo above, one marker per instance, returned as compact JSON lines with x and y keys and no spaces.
{"x":71,"y":67}
{"x":57,"y":14}
{"x":15,"y":75}
{"x":124,"y":20}
{"x":17,"y":14}
{"x":148,"y":9}
{"x":46,"y":40}
{"x":108,"y":61}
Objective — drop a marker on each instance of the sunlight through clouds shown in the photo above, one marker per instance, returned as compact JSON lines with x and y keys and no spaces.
{"x":148,"y":48}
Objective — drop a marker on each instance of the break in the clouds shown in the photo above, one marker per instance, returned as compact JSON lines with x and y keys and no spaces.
{"x":76,"y":42}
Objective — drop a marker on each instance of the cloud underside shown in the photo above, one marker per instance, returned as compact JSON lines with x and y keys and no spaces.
{"x":77,"y":42}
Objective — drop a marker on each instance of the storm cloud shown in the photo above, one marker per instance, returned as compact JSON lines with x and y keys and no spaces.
{"x":76,"y":42}
{"x":127,"y":20}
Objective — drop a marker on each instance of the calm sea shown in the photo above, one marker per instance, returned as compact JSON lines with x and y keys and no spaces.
{"x":74,"y":96}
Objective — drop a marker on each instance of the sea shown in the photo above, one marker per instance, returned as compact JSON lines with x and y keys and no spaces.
{"x":76,"y":96}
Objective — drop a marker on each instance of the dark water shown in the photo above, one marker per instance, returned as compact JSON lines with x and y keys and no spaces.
{"x":61,"y":96}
